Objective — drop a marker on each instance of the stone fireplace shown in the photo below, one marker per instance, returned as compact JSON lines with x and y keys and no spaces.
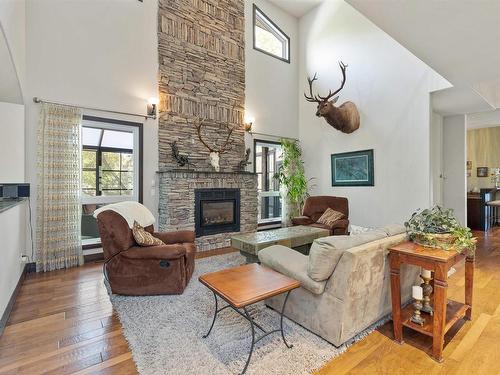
{"x":182,"y":192}
{"x":216,"y":211}
{"x":202,"y":79}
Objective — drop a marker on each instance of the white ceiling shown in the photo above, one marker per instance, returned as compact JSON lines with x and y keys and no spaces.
{"x":296,"y":8}
{"x":457,"y":38}
{"x":483,"y":119}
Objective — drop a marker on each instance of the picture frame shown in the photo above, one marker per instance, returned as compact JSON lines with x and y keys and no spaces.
{"x":482,"y":171}
{"x":353,"y":168}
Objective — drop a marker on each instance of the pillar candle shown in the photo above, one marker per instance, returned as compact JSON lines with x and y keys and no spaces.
{"x":426,"y":273}
{"x":418,"y":292}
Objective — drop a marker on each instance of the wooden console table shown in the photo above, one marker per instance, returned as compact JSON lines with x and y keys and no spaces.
{"x":446,"y":313}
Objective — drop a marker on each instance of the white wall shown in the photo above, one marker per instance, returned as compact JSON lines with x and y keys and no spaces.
{"x":271,"y":84}
{"x":94,"y":53}
{"x":436,"y":138}
{"x":97,"y":54}
{"x":12,"y":22}
{"x":391,"y":88}
{"x":11,"y":142}
{"x":12,"y":233}
{"x":454,"y":160}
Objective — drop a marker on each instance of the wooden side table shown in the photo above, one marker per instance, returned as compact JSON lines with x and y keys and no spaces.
{"x":446,"y":312}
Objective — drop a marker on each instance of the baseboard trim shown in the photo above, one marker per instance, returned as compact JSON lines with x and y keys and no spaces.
{"x":12,"y":300}
{"x":92,"y":258}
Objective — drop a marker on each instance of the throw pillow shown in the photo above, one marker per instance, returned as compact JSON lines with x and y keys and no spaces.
{"x":330,"y":216}
{"x":143,"y":237}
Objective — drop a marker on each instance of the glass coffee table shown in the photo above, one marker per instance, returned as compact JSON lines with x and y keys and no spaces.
{"x":298,"y":238}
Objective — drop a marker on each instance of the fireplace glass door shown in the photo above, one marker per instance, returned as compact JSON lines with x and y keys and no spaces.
{"x":217,"y":211}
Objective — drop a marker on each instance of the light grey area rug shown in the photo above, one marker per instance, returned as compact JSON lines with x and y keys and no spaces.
{"x":165,"y":333}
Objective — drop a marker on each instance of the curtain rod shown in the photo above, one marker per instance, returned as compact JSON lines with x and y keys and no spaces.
{"x":273,"y":136}
{"x":39,"y":100}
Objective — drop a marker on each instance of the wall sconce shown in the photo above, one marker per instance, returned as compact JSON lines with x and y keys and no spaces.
{"x":248,"y":122}
{"x":151,"y":107}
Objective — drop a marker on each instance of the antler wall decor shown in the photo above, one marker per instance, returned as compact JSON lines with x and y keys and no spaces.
{"x":215,"y":151}
{"x":344,"y":117}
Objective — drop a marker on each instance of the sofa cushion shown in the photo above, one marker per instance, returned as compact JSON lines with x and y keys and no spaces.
{"x":326,"y":252}
{"x":292,"y":264}
{"x":143,"y":237}
{"x":330,"y":216}
{"x":393,"y":229}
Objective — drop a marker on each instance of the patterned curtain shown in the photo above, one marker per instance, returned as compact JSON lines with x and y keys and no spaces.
{"x":59,"y":209}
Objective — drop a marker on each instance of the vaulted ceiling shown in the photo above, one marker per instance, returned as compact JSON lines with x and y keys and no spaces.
{"x":457,"y":38}
{"x":296,"y":8}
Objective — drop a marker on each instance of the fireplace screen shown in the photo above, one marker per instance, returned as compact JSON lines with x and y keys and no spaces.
{"x":217,"y":211}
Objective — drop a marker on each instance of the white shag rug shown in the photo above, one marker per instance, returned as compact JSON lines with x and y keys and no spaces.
{"x":165,"y":333}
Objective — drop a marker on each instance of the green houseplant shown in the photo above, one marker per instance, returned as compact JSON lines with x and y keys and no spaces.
{"x":437,"y":227}
{"x":292,"y":177}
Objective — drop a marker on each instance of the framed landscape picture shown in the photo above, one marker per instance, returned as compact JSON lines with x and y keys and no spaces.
{"x":482,"y":172}
{"x":353,"y":169}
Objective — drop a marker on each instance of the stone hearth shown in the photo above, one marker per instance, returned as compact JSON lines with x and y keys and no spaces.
{"x":177,"y":202}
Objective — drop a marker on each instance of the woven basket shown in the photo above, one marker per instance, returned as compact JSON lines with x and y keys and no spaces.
{"x":436,"y":240}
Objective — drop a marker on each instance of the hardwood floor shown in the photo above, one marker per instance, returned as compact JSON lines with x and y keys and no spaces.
{"x":470,"y":347}
{"x":63,"y":323}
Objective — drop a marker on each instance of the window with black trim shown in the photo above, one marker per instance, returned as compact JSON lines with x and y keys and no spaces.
{"x":111,"y":169}
{"x":268,"y":159}
{"x":268,"y":37}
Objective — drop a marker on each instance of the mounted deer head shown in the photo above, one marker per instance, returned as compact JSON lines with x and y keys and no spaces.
{"x":344,"y":117}
{"x":215,"y":152}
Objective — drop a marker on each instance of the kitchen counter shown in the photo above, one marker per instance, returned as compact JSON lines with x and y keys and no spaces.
{"x":8,"y":203}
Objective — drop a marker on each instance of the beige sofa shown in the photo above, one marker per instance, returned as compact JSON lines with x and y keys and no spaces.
{"x":345,"y":282}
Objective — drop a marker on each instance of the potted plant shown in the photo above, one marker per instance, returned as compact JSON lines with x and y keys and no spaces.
{"x":292,"y":178}
{"x":437,"y":227}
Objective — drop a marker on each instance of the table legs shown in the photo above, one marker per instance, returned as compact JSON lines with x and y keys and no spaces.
{"x":249,"y":318}
{"x":253,"y":325}
{"x":281,"y":322}
{"x":215,"y":316}
{"x":439,"y":319}
{"x":396,"y":298}
{"x":469,"y":279}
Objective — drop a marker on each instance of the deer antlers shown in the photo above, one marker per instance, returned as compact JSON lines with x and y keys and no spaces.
{"x":318,"y":98}
{"x":225,"y":146}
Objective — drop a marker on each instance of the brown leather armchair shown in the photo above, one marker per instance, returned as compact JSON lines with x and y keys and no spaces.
{"x":140,"y":271}
{"x":314,"y":207}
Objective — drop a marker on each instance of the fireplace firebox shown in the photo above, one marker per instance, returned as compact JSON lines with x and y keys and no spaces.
{"x":216,"y":211}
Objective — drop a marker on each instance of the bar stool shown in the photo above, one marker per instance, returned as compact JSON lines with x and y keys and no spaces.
{"x":495,"y":205}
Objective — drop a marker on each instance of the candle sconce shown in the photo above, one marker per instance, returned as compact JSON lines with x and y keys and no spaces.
{"x":248,"y":122}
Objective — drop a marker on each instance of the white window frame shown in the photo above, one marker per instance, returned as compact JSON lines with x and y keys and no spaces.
{"x":271,"y":27}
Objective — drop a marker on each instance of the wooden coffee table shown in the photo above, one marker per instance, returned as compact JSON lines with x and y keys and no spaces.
{"x":298,"y":238}
{"x":245,"y":285}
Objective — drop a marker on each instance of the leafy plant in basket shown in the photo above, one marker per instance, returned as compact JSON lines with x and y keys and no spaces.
{"x":437,"y":227}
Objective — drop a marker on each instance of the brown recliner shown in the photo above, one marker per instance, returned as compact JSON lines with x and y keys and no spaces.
{"x":141,"y":271}
{"x":314,"y":207}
